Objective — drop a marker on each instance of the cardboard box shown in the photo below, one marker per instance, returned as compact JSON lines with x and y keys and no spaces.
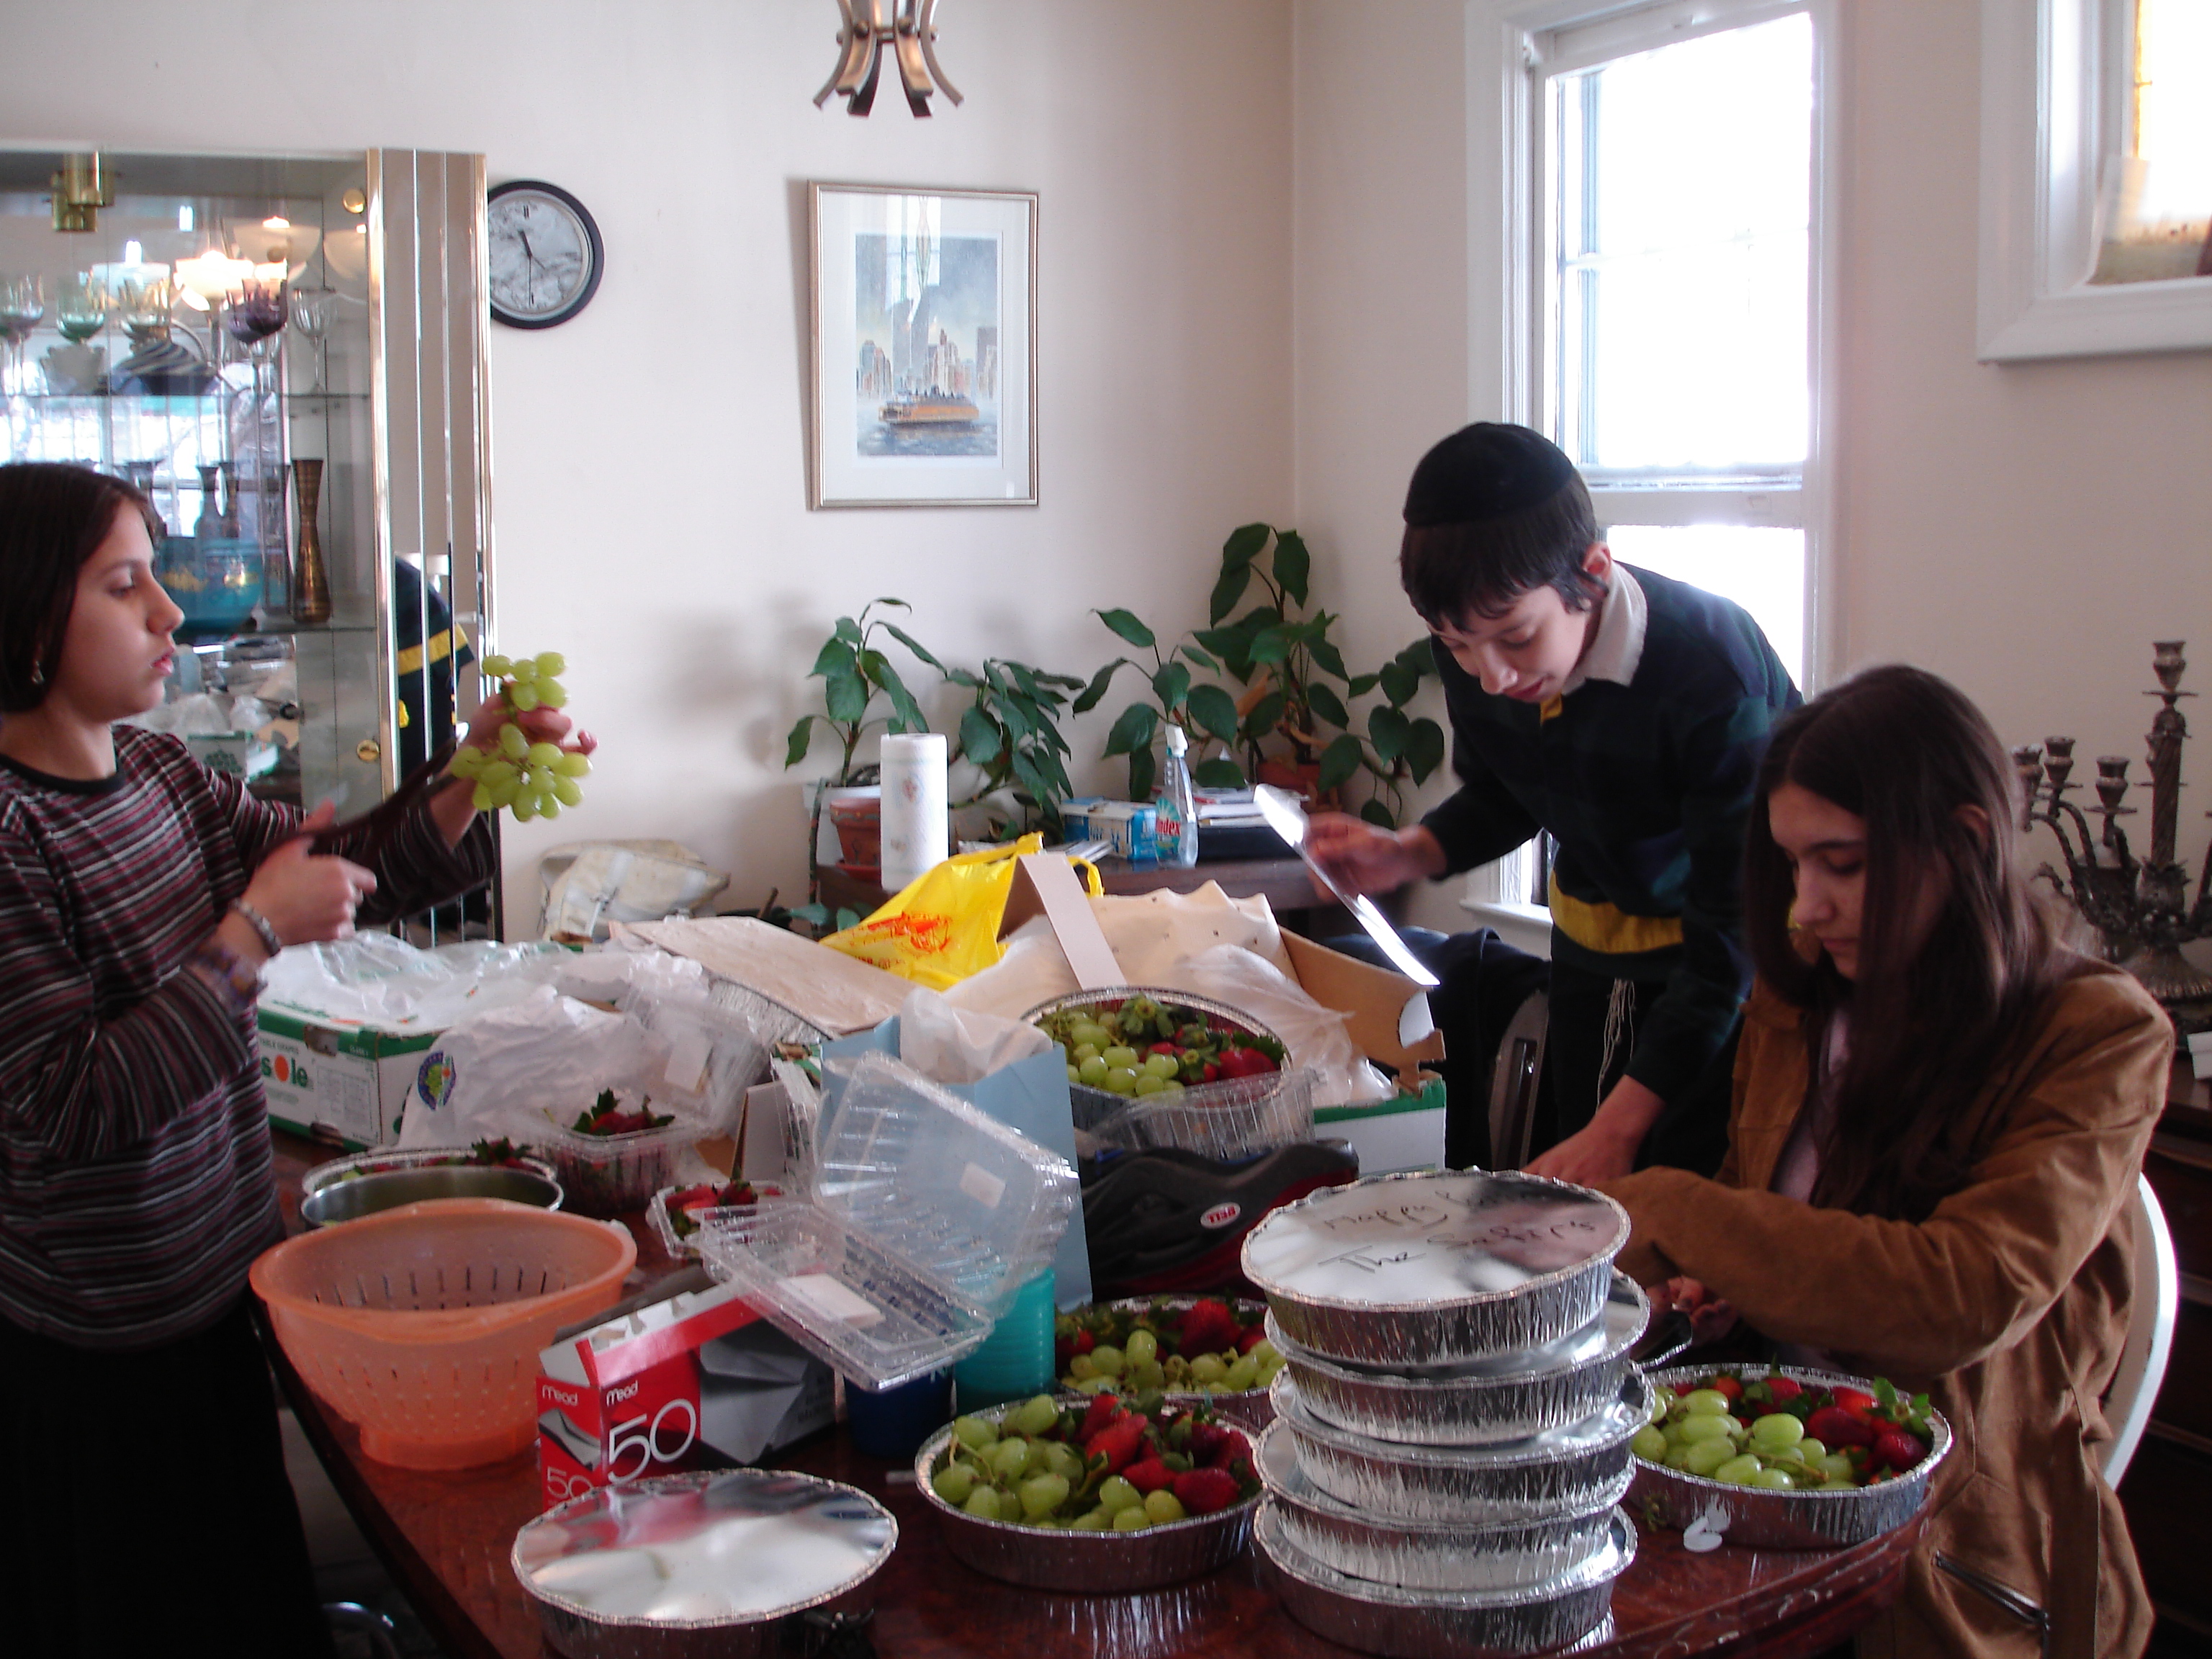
{"x":1131,"y":828}
{"x":334,"y":1079}
{"x":688,"y":1377}
{"x":1387,"y":1016}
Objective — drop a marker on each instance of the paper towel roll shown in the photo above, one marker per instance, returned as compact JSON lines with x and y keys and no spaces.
{"x":916,"y":834}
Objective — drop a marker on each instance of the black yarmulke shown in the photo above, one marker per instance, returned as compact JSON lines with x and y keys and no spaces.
{"x":1484,"y":472}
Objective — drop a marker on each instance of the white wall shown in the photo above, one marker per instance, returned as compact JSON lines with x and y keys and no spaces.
{"x":2026,"y":531}
{"x":649,"y":476}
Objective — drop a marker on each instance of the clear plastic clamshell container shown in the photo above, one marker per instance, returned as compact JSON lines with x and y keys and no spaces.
{"x":926,"y":1215}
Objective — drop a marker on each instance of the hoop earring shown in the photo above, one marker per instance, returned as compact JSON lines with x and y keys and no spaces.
{"x":38,"y":674}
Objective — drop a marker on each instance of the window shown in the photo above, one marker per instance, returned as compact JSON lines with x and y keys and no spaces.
{"x":2096,"y":231}
{"x":1664,"y":187}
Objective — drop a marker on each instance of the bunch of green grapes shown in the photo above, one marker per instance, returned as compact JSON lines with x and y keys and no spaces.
{"x":531,"y":780}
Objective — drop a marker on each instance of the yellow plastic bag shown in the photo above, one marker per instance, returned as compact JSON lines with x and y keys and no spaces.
{"x":945,"y":925}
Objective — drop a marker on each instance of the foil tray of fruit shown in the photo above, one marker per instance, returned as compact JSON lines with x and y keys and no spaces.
{"x":1132,"y":1042}
{"x":1096,"y":1495}
{"x":1436,"y":1268}
{"x":1783,"y":1457}
{"x":680,"y":1214}
{"x":1179,"y":1346}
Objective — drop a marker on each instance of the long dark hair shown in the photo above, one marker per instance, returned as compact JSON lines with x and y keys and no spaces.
{"x":1932,"y":1022}
{"x":53,"y":517}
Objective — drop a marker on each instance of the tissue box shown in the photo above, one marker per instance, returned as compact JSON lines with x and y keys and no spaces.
{"x":1131,"y":828}
{"x":690,"y":1377}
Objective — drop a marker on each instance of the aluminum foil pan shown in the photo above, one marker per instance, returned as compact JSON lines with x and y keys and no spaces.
{"x":1483,"y":1401}
{"x":1418,"y":1623}
{"x":1097,"y":1107}
{"x":1556,"y":1473}
{"x":1435,"y":1269}
{"x":699,"y":1566}
{"x":1427,"y":1555}
{"x":1783,"y":1520}
{"x":1090,"y":1563}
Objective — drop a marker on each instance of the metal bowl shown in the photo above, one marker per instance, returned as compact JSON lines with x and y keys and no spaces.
{"x":1484,"y":1401}
{"x":1436,"y":1268}
{"x":1784,"y":1520}
{"x":350,"y":1188}
{"x":1546,"y":1475}
{"x":1093,"y":1563}
{"x":1441,"y":1555}
{"x":818,"y":1541}
{"x":1416,"y":1624}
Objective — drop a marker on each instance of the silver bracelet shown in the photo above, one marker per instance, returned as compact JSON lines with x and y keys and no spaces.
{"x":260,"y":924}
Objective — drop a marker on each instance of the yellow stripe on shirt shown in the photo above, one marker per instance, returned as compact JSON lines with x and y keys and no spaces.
{"x":1610,"y":932}
{"x":441,"y":647}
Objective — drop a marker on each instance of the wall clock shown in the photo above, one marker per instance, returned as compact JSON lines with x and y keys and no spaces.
{"x":545,"y":255}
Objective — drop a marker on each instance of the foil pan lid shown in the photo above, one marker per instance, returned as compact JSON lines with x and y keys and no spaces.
{"x":1411,"y":1242}
{"x":1275,"y":1460}
{"x":1599,"y":1432}
{"x":735,"y":1546}
{"x":1627,"y":1310}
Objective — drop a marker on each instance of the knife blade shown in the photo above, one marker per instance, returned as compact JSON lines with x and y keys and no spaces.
{"x":1288,"y":819}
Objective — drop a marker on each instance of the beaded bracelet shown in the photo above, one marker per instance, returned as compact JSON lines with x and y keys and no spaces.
{"x":262,"y":926}
{"x":224,"y":966}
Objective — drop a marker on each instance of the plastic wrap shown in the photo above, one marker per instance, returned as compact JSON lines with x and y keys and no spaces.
{"x":1410,"y":1624}
{"x":1483,"y":1402}
{"x":1429,"y":1555}
{"x":1430,"y":1269}
{"x":1546,"y":1475}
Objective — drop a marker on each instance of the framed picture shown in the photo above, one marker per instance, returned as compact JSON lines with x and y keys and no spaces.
{"x":925,"y":347}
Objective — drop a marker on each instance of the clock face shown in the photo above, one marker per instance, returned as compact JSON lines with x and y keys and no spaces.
{"x":545,"y":254}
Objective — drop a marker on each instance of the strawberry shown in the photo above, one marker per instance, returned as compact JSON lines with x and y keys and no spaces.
{"x":1252,"y":1337}
{"x":1104,"y":1409}
{"x":1894,"y":1448}
{"x":1208,"y":1328}
{"x":1728,"y":1385}
{"x":1832,"y":1426}
{"x":1245,"y":1062}
{"x":1230,"y":1450}
{"x":1119,"y":1443}
{"x":1681,"y":1388}
{"x":1857,"y":1401}
{"x":1206,"y":1492}
{"x":1148,"y":1475}
{"x":1085,"y":1341}
{"x":1784,"y":1389}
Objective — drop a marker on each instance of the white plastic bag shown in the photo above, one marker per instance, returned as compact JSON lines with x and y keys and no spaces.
{"x":377,"y":979}
{"x":953,"y":1045}
{"x":589,"y":885}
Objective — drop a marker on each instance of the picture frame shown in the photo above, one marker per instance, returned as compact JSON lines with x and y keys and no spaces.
{"x":923,"y":323}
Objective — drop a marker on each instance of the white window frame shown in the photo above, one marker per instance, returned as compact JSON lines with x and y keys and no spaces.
{"x":1509,"y":43}
{"x":2054,"y":104}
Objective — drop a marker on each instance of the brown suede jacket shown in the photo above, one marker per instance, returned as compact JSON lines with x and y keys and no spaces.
{"x":2008,"y":1305}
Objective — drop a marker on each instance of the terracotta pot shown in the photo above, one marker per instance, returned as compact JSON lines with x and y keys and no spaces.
{"x":860,"y":826}
{"x":1303,"y":782}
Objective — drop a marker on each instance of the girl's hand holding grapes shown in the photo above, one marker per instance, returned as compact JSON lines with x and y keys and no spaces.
{"x":307,"y":897}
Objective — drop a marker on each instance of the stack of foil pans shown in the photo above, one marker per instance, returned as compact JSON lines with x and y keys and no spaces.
{"x":1454,"y":1419}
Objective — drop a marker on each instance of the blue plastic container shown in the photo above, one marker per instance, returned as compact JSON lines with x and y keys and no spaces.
{"x":891,"y":1425}
{"x":1015,"y":1361}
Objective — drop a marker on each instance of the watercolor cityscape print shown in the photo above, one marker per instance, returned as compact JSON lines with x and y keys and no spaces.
{"x":927,"y":375}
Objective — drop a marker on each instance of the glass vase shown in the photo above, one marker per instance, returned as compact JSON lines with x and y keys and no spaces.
{"x":311,"y":580}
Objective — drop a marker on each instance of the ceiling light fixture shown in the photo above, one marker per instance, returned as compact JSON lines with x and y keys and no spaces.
{"x":908,"y":28}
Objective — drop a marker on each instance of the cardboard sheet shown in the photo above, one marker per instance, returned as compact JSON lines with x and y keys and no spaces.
{"x":825,"y":987}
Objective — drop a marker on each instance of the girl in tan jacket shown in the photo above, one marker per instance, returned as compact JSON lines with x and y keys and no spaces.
{"x":1939,"y":1115}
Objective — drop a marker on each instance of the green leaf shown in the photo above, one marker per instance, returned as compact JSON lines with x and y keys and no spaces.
{"x":1378,"y":814}
{"x":848,"y":631}
{"x":1021,"y":717}
{"x":1360,"y":684}
{"x":912,"y":644}
{"x":1202,"y":658}
{"x":1228,"y":588}
{"x":800,"y":740}
{"x":1339,"y":761}
{"x":1044,"y":778}
{"x":1215,"y":710}
{"x":1266,"y":715}
{"x":980,"y":740}
{"x":1025,"y":677}
{"x":1424,"y":749}
{"x":1125,"y":623}
{"x":961,"y":677}
{"x":1420,"y":656}
{"x":845,"y":696}
{"x":1326,"y":704}
{"x":848,"y":919}
{"x":1219,"y":773}
{"x":1134,"y":730}
{"x":1398,"y":683}
{"x":906,"y":713}
{"x":1144,"y":773}
{"x":1171,"y":685}
{"x":1327,"y":658}
{"x":835,"y":657}
{"x":1293,"y":564}
{"x":1097,"y":689}
{"x":815,"y":916}
{"x":1243,"y":545}
{"x":1391,"y":732}
{"x":1271,"y":645}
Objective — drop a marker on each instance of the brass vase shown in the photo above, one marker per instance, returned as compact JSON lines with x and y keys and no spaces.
{"x":311,"y":580}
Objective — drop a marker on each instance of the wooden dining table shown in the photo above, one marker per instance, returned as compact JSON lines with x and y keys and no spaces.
{"x":445,"y":1537}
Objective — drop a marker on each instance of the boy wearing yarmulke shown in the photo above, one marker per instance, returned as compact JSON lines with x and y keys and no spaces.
{"x":1623,"y":714}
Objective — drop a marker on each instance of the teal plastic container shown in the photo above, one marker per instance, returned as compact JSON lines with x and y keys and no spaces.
{"x":1015,"y":1361}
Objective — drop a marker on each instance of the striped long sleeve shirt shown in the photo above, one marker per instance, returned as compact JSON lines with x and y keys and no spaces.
{"x":135,"y":1183}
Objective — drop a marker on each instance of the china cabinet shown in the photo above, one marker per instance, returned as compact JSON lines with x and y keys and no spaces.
{"x":249,"y":339}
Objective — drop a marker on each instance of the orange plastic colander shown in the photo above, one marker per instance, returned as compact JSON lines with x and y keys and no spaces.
{"x":422,"y":1325}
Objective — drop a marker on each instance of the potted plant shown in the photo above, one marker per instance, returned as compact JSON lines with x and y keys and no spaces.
{"x":1204,"y":710}
{"x":1009,"y":738}
{"x":861,"y":691}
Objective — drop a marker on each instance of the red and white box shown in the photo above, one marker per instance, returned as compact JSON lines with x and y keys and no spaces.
{"x":692,"y":1378}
